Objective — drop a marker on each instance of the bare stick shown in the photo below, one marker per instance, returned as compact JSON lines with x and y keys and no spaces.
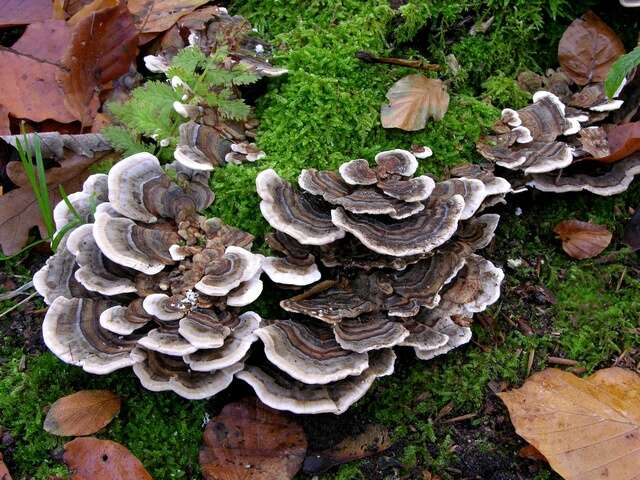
{"x":403,"y":62}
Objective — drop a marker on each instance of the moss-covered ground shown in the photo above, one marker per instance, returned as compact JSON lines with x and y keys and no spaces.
{"x":325,"y":111}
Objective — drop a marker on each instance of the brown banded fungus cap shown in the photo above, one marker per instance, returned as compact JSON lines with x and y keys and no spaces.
{"x":208,"y":139}
{"x":560,"y":143}
{"x":148,"y":282}
{"x":389,"y":258}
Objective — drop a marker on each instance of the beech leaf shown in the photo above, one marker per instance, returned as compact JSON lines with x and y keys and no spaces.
{"x":249,"y":441}
{"x":588,"y":48}
{"x":587,"y":428}
{"x":24,"y":12}
{"x":373,"y":440}
{"x":82,"y":413}
{"x":412,"y":101}
{"x":92,"y":459}
{"x":153,"y":16}
{"x":624,"y":140}
{"x":582,"y":239}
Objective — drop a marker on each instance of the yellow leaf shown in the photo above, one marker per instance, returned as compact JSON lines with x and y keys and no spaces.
{"x":587,"y":429}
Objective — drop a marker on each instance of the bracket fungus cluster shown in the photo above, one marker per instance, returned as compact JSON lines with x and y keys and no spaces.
{"x":207,"y":138}
{"x":563,"y":141}
{"x":398,"y":254}
{"x":147,"y":282}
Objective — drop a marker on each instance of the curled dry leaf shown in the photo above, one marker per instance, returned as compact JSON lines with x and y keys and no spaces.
{"x":373,"y":440}
{"x":588,"y":48}
{"x":82,"y":413}
{"x":103,"y":45}
{"x":631,"y":234}
{"x":153,"y":16}
{"x":250,"y":441}
{"x":532,"y":453}
{"x":412,"y":101}
{"x":588,"y":428}
{"x":623,"y":140}
{"x":92,"y":459}
{"x":24,"y":12}
{"x":582,"y":239}
{"x":19,"y":211}
{"x":4,"y":471}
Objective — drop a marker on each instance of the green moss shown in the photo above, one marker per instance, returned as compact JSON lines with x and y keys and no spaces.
{"x":505,"y":92}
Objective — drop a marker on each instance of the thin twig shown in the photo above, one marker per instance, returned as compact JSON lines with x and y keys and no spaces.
{"x":403,"y":62}
{"x":16,"y":292}
{"x":532,"y":355}
{"x":562,"y":361}
{"x":18,"y":304}
{"x":624,"y":272}
{"x":461,"y":418}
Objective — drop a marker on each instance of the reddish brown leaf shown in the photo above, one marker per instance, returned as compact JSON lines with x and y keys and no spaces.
{"x":90,"y":9}
{"x":373,"y":440}
{"x":93,"y":459}
{"x":154,"y":16}
{"x":587,"y":428}
{"x":103,"y":46}
{"x":587,"y":49}
{"x":412,"y":101}
{"x":28,"y":74}
{"x":532,"y":453}
{"x":82,"y":413}
{"x":582,"y":239}
{"x":250,"y":441}
{"x":4,"y":471}
{"x":24,"y":12}
{"x":4,"y":121}
{"x":623,"y":139}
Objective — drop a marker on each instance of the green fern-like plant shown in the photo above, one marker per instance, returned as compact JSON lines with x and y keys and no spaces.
{"x":147,"y":122}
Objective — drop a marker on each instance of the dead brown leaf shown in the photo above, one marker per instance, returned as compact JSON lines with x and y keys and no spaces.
{"x":587,"y":49}
{"x":28,"y":74}
{"x":93,"y":459}
{"x":373,"y":440}
{"x":24,"y":12}
{"x":154,"y":16}
{"x":4,"y":471}
{"x":5,"y":128}
{"x":91,"y":8}
{"x":19,"y":211}
{"x":412,"y":101}
{"x":103,"y":45}
{"x":82,"y":413}
{"x":532,"y":453}
{"x":250,"y":441}
{"x":582,"y":239}
{"x":624,"y":140}
{"x":588,"y":428}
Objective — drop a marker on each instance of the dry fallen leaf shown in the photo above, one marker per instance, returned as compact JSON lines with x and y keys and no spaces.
{"x":373,"y":440}
{"x":532,"y":453}
{"x":250,"y":441}
{"x":103,"y":45}
{"x":588,"y":428}
{"x":582,"y":239}
{"x":412,"y":101}
{"x":24,"y":12}
{"x":588,"y":48}
{"x":19,"y":211}
{"x":4,"y":121}
{"x":631,"y":234}
{"x":82,"y":413}
{"x":623,"y":140}
{"x":4,"y":471}
{"x":92,"y":459}
{"x":154,"y":16}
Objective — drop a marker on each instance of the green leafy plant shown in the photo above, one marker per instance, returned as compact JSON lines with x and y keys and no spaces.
{"x":27,"y":151}
{"x":620,"y":69}
{"x":148,"y":121}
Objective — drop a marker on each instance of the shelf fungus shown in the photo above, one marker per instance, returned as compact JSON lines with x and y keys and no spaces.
{"x":208,"y":138}
{"x":568,"y":139}
{"x":380,"y":258}
{"x":149,"y":283}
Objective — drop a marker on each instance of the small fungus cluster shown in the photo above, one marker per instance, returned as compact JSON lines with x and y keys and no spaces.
{"x":392,"y":259}
{"x":563,"y":141}
{"x":148,"y":282}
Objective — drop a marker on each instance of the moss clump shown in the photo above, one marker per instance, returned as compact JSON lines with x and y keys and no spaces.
{"x":505,"y":92}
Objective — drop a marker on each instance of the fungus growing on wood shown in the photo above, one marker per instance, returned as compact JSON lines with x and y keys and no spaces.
{"x":413,"y":279}
{"x":566,"y":140}
{"x":148,"y":282}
